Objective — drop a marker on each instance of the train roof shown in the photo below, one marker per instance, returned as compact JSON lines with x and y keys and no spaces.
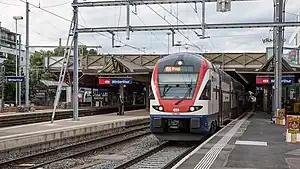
{"x":186,"y":57}
{"x":190,"y":59}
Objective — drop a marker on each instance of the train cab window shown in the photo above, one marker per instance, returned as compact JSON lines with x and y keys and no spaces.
{"x":206,"y":93}
{"x":177,"y":86}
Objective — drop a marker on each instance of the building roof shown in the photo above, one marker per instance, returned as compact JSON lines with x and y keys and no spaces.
{"x":50,"y":83}
{"x":132,"y":67}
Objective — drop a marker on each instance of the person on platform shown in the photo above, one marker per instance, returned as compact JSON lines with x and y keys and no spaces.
{"x":120,"y":105}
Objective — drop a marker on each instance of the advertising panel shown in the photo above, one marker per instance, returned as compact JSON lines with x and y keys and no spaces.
{"x":293,"y":124}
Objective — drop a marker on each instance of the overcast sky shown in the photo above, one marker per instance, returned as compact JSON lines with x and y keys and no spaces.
{"x":46,"y":29}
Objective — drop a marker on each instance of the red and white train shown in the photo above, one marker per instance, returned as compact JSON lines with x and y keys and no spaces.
{"x":191,"y":97}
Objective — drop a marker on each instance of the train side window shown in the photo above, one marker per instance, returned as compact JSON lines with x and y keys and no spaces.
{"x":216,"y":92}
{"x":206,"y":93}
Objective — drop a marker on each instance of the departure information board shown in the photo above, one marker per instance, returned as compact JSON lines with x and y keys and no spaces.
{"x":179,"y":69}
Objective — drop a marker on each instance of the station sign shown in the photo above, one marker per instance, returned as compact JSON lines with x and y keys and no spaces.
{"x":262,"y":80}
{"x":115,"y":80}
{"x":268,"y":80}
{"x":285,"y":80}
{"x":15,"y":78}
{"x":121,"y":81}
{"x":104,"y":81}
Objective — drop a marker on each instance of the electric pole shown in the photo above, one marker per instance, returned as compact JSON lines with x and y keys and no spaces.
{"x":279,"y":5}
{"x":75,"y":72}
{"x":27,"y":59}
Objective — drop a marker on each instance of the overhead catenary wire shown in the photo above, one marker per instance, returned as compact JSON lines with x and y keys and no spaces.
{"x":61,"y":17}
{"x":37,"y":33}
{"x":56,"y":5}
{"x":50,"y":6}
{"x":151,"y":31}
{"x":61,"y":30}
{"x":87,"y":25}
{"x":6,"y":3}
{"x":171,"y":25}
{"x":182,"y":23}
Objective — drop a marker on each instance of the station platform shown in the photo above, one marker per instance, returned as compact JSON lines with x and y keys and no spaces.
{"x":24,"y":135}
{"x":5,"y":114}
{"x":9,"y":119}
{"x":250,"y":142}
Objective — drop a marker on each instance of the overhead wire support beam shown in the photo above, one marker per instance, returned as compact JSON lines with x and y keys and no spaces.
{"x":138,"y":2}
{"x":80,"y":46}
{"x":188,"y":27}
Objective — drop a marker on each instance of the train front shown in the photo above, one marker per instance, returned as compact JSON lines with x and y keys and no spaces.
{"x":177,"y":105}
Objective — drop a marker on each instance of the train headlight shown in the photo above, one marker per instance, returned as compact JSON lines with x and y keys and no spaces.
{"x":195,"y":108}
{"x":160,"y":108}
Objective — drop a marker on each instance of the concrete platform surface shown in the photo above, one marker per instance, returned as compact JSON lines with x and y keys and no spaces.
{"x":17,"y":136}
{"x":35,"y":112}
{"x":251,"y":142}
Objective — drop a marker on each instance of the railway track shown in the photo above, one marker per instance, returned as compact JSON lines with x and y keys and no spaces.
{"x":27,"y":118}
{"x":161,"y":157}
{"x":42,"y":159}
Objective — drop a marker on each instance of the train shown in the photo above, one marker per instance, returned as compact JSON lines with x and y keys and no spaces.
{"x":191,"y":97}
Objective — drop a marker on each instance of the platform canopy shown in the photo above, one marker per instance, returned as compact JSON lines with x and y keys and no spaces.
{"x":50,"y":83}
{"x":269,"y":66}
{"x":120,"y":65}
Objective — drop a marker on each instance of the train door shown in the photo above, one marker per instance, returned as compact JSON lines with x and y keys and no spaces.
{"x":220,"y":113}
{"x":230,"y":99}
{"x":214,"y":94}
{"x":214,"y":88}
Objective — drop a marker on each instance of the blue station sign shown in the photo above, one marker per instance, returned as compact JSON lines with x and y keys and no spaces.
{"x":121,"y":81}
{"x":115,"y":80}
{"x":285,"y":80}
{"x":15,"y":78}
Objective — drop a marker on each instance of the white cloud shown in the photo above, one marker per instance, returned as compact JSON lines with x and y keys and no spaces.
{"x":46,"y":29}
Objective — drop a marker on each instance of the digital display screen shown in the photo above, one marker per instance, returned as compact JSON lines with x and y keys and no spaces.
{"x":179,"y":69}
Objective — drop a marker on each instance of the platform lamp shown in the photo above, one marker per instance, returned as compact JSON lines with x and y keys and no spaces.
{"x":16,"y":18}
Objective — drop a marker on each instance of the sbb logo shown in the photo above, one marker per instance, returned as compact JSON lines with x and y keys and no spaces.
{"x":266,"y":81}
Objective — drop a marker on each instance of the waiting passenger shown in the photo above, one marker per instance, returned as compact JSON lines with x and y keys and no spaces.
{"x":120,"y":105}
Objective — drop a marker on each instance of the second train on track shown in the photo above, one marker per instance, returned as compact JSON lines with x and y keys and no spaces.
{"x":191,"y":97}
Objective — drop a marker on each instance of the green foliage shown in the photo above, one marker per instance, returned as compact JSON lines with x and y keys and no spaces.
{"x":37,"y":71}
{"x":10,"y":88}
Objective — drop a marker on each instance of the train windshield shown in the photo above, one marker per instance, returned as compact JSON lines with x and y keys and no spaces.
{"x":177,"y":86}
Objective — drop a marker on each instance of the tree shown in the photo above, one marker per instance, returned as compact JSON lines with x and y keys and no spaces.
{"x":37,"y":70}
{"x":10,"y":88}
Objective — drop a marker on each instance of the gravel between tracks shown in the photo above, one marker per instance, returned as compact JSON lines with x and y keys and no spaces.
{"x":160,"y":159}
{"x":6,"y":156}
{"x":110,"y":157}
